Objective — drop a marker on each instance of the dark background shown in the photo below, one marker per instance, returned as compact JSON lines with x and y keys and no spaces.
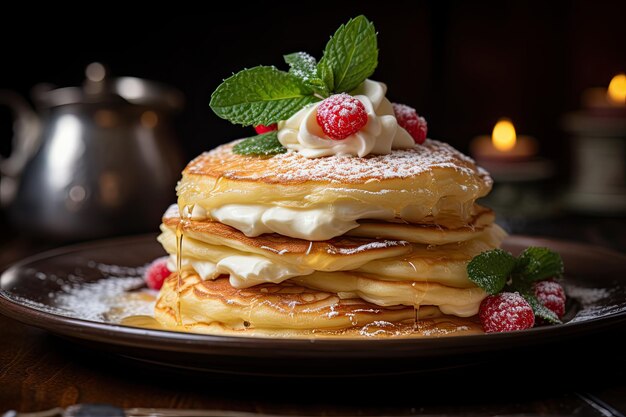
{"x":460,"y":64}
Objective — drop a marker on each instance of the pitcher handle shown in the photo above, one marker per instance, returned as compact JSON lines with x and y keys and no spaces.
{"x":25,"y":142}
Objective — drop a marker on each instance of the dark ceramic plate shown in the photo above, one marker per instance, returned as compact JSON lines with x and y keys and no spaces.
{"x":49,"y":289}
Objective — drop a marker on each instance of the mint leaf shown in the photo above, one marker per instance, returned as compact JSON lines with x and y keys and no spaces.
{"x":264,"y":145}
{"x":536,"y":264}
{"x":304,"y":66}
{"x":351,"y":55}
{"x":326,"y":72}
{"x":539,"y":309}
{"x":260,"y":96}
{"x":490,"y":270}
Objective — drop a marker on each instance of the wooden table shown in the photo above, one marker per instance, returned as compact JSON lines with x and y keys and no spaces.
{"x":40,"y":371}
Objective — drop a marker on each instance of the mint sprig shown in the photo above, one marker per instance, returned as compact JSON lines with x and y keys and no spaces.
{"x":351,"y":56}
{"x":490,"y":270}
{"x":265,"y":144}
{"x":265,"y":95}
{"x":496,"y":269}
{"x":304,"y":66}
{"x":260,"y":96}
{"x":539,"y":309}
{"x":536,"y":264}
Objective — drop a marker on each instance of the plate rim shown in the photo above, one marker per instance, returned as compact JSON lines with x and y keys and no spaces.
{"x":263,"y":346}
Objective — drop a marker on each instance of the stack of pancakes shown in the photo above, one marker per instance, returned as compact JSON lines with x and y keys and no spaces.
{"x":270,"y":245}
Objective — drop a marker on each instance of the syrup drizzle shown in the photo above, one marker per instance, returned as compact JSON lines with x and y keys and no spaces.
{"x":185,"y":219}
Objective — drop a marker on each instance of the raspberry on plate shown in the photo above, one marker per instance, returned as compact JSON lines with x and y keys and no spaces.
{"x":551,"y":294}
{"x":505,"y":312}
{"x":341,"y":115}
{"x":156,"y":273}
{"x":411,"y":122}
{"x":260,"y":129}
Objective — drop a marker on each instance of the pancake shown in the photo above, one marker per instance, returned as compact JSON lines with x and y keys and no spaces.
{"x":445,"y":264}
{"x":342,"y":253}
{"x":461,"y":302}
{"x":288,"y":310}
{"x":245,"y":269}
{"x":429,"y":234}
{"x":430,"y":183}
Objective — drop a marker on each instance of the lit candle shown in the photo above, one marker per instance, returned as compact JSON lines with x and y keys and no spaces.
{"x":509,"y":157}
{"x":609,"y":101}
{"x":503,"y":144}
{"x":616,"y":93}
{"x":598,"y":152}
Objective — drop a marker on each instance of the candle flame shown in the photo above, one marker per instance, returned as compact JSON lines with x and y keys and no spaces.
{"x":617,"y":89}
{"x":503,"y":136}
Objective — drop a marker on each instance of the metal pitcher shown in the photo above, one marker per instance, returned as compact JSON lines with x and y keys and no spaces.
{"x":95,"y":161}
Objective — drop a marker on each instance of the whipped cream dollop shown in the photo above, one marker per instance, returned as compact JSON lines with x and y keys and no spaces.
{"x":380,"y":135}
{"x":244,"y":270}
{"x":321,"y":222}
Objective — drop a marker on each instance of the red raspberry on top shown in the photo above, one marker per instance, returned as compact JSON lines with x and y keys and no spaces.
{"x":551,"y":294}
{"x":411,"y":122}
{"x":260,"y":129}
{"x":505,"y":312}
{"x":156,"y":273}
{"x":341,"y":115}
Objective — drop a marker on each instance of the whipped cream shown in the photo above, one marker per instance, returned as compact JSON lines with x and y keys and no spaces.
{"x":321,"y":222}
{"x":380,"y":135}
{"x":244,"y":270}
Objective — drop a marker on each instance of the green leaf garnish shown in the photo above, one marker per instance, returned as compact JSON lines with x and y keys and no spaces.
{"x":494,"y":269}
{"x":265,"y":95}
{"x":351,"y":55}
{"x":326,"y":72}
{"x":539,"y":309}
{"x":536,"y":264}
{"x":260,"y":96}
{"x":490,"y":270}
{"x":265,"y":144}
{"x":302,"y":65}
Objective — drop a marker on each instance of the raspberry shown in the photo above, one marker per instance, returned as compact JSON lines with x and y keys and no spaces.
{"x":505,"y":312}
{"x":551,"y":295}
{"x":341,"y":115}
{"x":260,"y":129}
{"x":411,"y":122}
{"x":156,"y":273}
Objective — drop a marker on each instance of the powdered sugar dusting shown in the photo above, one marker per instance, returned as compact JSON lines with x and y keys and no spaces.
{"x":104,"y":297}
{"x":307,"y":66}
{"x":120,"y":292}
{"x":293,"y":167}
{"x":587,"y":295}
{"x":595,"y":302}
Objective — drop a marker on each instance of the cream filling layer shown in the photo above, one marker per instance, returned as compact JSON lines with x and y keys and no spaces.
{"x":322,"y":222}
{"x":244,"y":270}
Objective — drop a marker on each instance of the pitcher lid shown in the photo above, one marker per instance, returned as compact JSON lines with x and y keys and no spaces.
{"x":99,"y":87}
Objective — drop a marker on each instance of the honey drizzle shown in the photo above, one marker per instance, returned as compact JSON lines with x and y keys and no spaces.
{"x":185,"y":219}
